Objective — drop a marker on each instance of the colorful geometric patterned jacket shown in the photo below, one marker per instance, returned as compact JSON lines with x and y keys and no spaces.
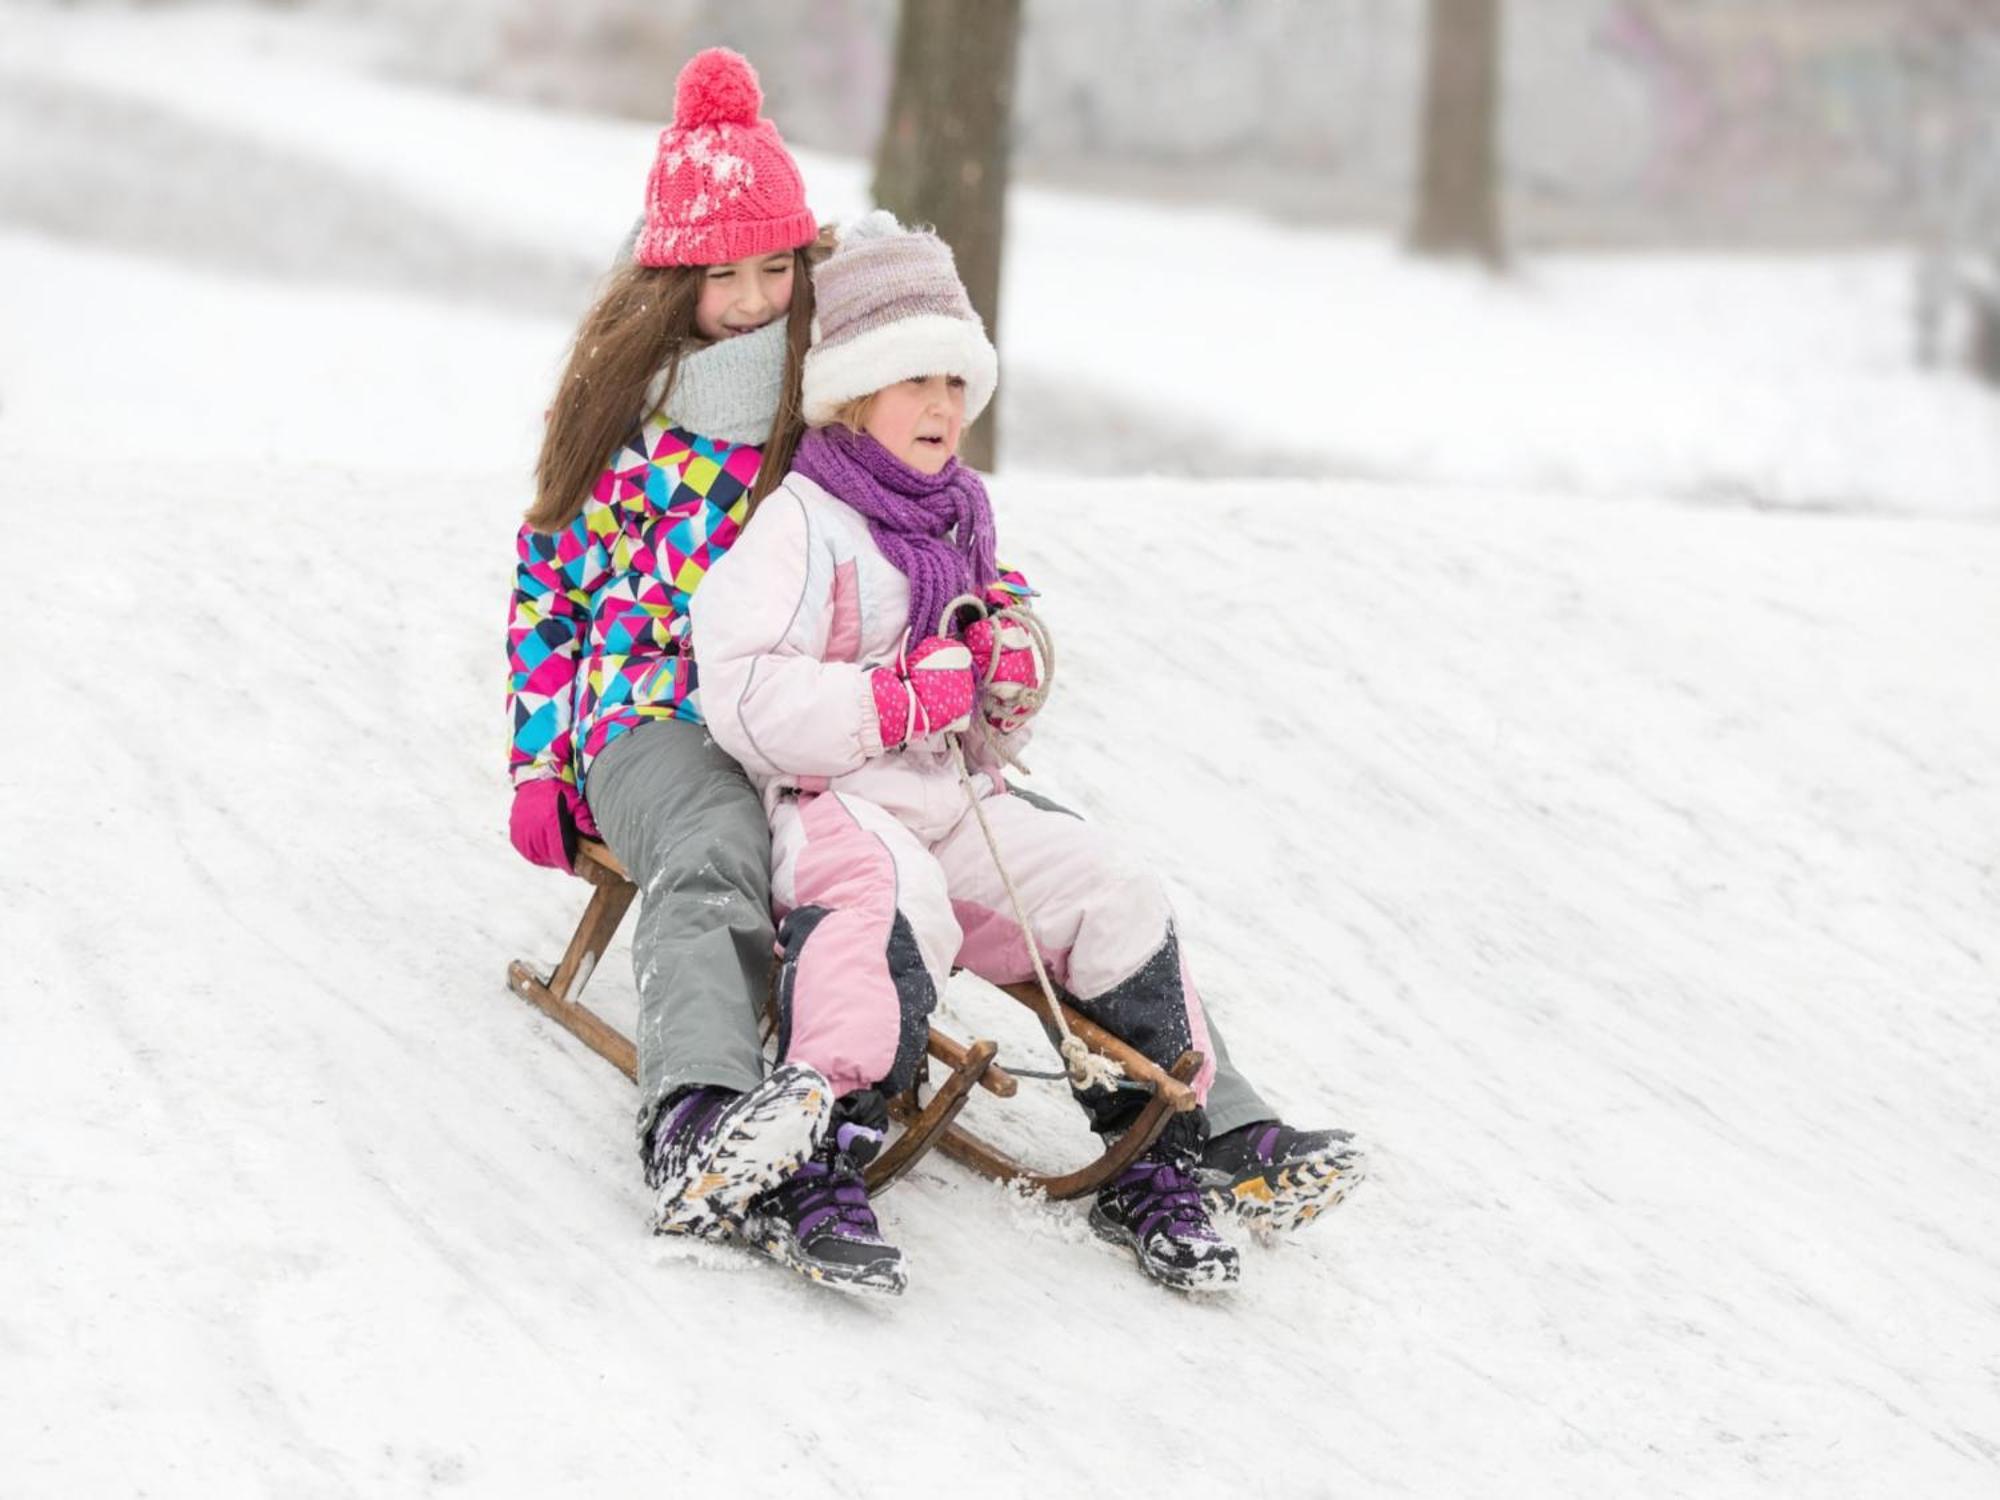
{"x":597,"y":635}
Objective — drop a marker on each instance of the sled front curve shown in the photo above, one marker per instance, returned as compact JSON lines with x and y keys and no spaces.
{"x":1171,"y":1095}
{"x":926,"y":1125}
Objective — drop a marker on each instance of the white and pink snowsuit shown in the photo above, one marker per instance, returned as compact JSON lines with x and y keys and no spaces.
{"x":880,"y":874}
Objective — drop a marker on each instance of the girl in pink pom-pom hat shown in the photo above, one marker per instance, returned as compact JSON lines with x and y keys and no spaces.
{"x":678,"y":408}
{"x":723,"y":186}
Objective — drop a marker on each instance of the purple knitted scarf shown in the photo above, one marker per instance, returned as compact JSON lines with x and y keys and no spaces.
{"x":935,"y":529}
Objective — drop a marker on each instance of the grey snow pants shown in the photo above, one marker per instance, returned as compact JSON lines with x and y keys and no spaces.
{"x":690,"y":830}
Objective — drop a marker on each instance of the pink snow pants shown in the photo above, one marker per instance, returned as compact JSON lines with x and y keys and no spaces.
{"x":875,"y":915}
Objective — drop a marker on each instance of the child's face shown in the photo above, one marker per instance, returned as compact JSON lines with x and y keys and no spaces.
{"x":744,"y":295}
{"x":919,"y":420}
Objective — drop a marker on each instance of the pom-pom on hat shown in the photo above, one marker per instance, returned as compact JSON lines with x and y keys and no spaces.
{"x":888,"y":306}
{"x":723,"y":185}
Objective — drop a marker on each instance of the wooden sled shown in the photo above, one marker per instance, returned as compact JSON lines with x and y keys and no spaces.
{"x":926,"y":1123}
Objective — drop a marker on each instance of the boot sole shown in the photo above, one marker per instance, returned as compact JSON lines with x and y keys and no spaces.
{"x":880,"y":1278}
{"x":1289,"y":1198}
{"x":767,"y":1134}
{"x":1217,"y":1275}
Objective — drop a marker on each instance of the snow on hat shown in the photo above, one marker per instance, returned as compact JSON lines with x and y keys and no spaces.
{"x":723,"y":185}
{"x":888,"y":306}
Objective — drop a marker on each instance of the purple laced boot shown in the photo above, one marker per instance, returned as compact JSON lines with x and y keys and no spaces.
{"x":712,"y":1150}
{"x":1277,"y":1178}
{"x":1154,"y":1208}
{"x":819,"y":1221}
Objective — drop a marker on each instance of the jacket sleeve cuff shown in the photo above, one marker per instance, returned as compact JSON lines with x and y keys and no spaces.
{"x":871,"y":718}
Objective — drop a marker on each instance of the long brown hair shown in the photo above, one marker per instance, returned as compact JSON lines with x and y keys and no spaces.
{"x":644,"y":321}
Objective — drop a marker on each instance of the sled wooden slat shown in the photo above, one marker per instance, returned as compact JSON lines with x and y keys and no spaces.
{"x":922,"y":1125}
{"x":597,"y":864}
{"x":608,"y":904}
{"x":976,"y":1155}
{"x":969,"y":1151}
{"x":995,"y":1080}
{"x":585,"y":1024}
{"x":1136,"y":1064}
{"x":926,"y":1127}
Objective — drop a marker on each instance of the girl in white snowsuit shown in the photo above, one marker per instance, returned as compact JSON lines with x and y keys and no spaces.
{"x":676,"y":414}
{"x":833,"y":667}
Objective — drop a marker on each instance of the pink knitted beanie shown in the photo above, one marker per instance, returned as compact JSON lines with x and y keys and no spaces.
{"x":888,"y":306}
{"x":723,"y":184}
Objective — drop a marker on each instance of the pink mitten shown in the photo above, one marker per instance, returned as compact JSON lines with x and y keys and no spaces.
{"x":579,"y":809}
{"x":1004,"y":664}
{"x":1017,"y":665}
{"x":547,"y":816}
{"x":930,"y":691}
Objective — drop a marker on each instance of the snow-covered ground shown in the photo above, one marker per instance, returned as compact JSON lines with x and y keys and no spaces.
{"x":1623,"y":871}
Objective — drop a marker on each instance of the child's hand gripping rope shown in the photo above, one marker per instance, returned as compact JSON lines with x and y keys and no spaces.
{"x":1007,"y":651}
{"x":932,"y":689}
{"x":1010,"y":650}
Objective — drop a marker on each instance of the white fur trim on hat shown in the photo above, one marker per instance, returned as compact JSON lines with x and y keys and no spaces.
{"x":906,"y":349}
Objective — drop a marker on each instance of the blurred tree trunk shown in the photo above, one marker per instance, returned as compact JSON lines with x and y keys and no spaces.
{"x":1985,"y":298}
{"x":943,"y":156}
{"x":1458,"y":198}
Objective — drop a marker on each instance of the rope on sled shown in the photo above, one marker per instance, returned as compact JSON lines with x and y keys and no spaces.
{"x":1082,"y":1067}
{"x":1029,"y":701}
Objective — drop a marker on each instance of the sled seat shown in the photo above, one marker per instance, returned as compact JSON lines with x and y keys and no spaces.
{"x":927,"y":1124}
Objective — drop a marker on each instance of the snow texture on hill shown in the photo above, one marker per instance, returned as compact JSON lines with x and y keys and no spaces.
{"x":1624,"y":873}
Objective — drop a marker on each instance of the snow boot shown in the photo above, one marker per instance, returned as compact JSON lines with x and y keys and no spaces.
{"x":1154,"y":1209}
{"x":1276,"y":1178}
{"x":713,"y":1151}
{"x":819,"y":1222}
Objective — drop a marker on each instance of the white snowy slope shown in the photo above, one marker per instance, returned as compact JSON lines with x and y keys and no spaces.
{"x":1623,"y":873}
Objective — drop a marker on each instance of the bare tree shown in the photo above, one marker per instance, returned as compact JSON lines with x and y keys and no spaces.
{"x":943,"y":155}
{"x":1458,"y":198}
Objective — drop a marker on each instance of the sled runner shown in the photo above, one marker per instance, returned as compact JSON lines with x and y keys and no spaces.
{"x":927,"y":1123}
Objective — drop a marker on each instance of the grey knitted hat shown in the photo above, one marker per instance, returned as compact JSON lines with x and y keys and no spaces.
{"x":888,"y":306}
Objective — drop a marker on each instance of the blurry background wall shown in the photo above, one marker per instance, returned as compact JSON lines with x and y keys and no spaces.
{"x":1642,"y":122}
{"x":1751,"y":247}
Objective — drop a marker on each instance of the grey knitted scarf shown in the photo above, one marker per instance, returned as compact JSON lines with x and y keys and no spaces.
{"x":729,"y":390}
